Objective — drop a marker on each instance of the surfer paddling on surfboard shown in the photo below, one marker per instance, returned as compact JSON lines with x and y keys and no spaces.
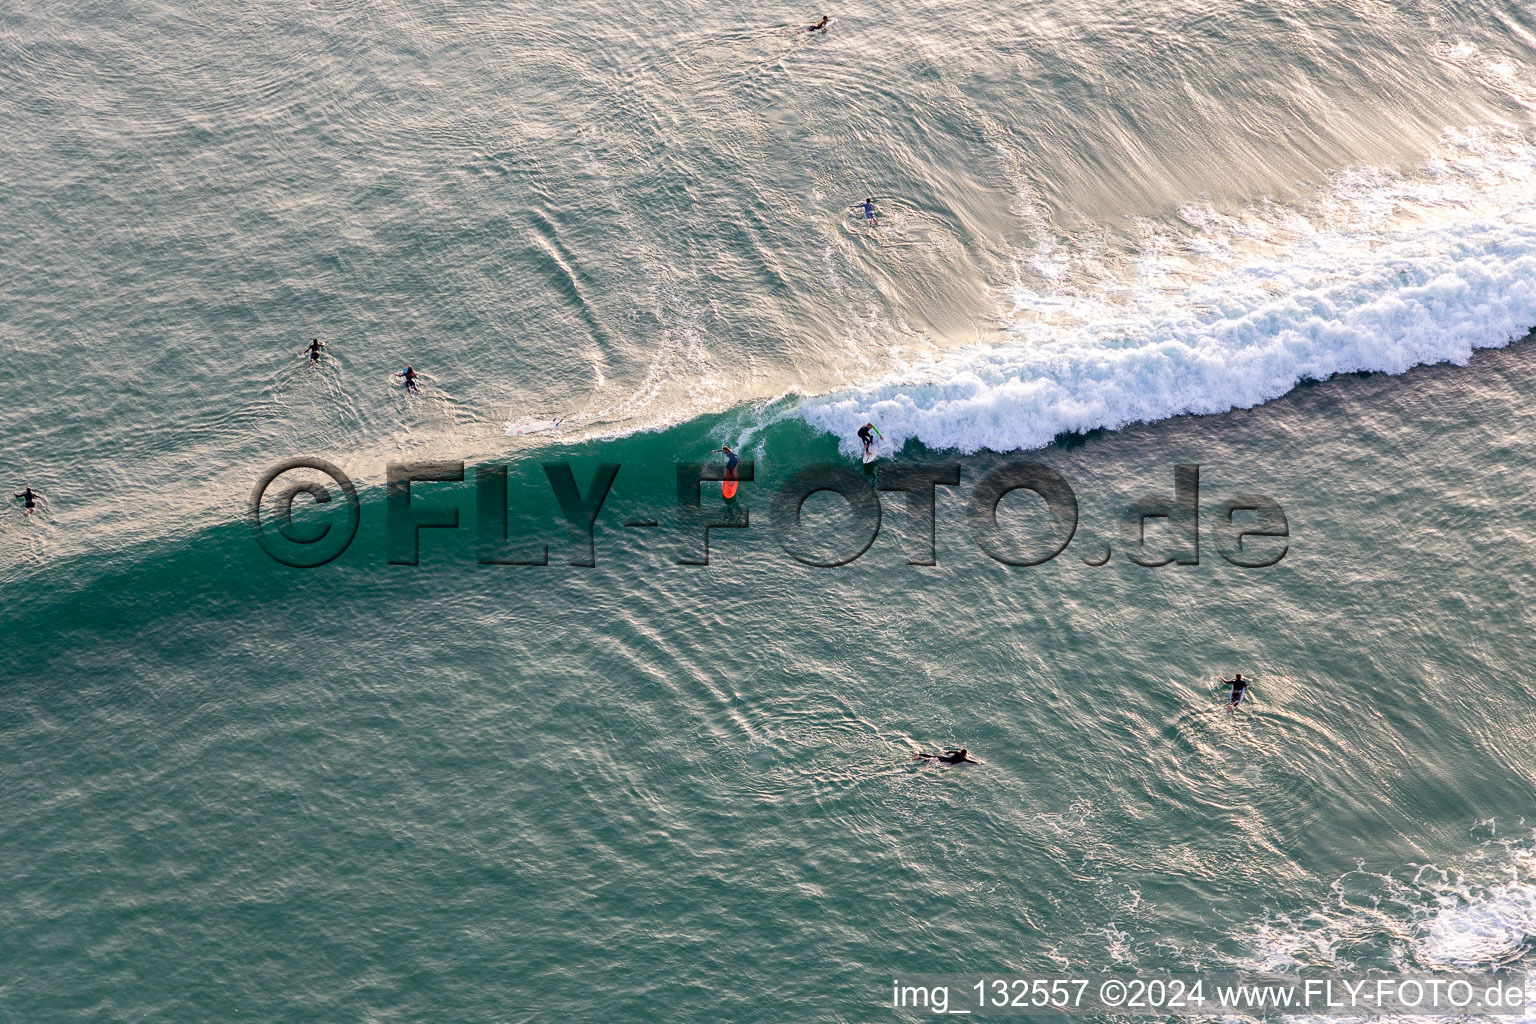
{"x":313,"y":348}
{"x":409,"y":376}
{"x":820,"y":26}
{"x":869,"y":442}
{"x":728,"y":489}
{"x":1239,"y":689}
{"x":868,"y":206}
{"x":950,"y":756}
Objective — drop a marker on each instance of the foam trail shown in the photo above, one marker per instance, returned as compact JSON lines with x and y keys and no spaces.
{"x":1383,"y":272}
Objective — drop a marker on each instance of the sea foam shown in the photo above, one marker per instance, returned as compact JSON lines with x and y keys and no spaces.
{"x":1215,"y":311}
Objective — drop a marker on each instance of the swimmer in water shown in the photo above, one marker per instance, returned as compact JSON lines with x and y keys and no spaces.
{"x":864,"y":435}
{"x":731,"y":459}
{"x":1239,"y":689}
{"x":820,"y":26}
{"x":28,"y":499}
{"x":409,"y":376}
{"x":868,"y":206}
{"x":950,"y":756}
{"x":313,"y":348}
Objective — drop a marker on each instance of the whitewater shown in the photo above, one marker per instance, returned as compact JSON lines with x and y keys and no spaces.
{"x":1219,"y":311}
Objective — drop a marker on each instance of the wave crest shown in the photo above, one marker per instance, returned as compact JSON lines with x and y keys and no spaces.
{"x":1380,"y":272}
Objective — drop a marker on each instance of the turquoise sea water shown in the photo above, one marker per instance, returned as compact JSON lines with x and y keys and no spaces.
{"x":1115,"y":240}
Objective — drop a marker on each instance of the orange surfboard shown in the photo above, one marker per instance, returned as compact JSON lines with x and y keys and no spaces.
{"x":728,"y":488}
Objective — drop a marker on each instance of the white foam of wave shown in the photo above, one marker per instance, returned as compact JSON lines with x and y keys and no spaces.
{"x":1476,"y":918}
{"x":1487,"y":930}
{"x":1381,"y":271}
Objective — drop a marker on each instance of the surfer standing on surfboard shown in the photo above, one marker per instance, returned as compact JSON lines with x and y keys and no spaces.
{"x":731,"y":459}
{"x":728,"y":488}
{"x":864,"y":436}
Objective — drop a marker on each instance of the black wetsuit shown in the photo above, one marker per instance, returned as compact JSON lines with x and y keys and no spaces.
{"x":951,"y":757}
{"x":28,"y":499}
{"x":314,"y":351}
{"x":1239,"y":689}
{"x":866,"y":437}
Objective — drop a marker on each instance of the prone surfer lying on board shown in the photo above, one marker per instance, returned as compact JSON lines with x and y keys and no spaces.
{"x":313,"y":348}
{"x":950,"y":756}
{"x":864,"y":435}
{"x":28,"y":499}
{"x":1239,"y":688}
{"x":868,"y":206}
{"x":410,"y":380}
{"x":731,"y":458}
{"x":820,"y":26}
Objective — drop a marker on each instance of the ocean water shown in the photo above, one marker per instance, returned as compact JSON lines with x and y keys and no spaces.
{"x":1291,"y":244}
